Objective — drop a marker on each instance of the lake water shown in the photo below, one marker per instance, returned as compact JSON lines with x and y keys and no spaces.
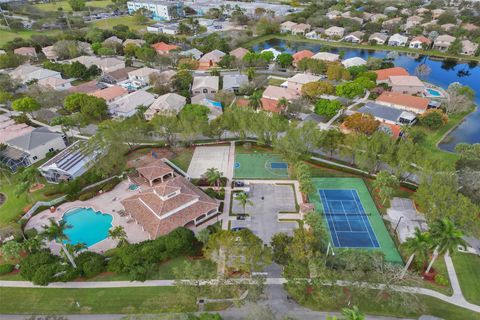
{"x":443,"y":72}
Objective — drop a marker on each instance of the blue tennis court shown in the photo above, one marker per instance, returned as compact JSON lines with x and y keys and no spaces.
{"x":347,"y":220}
{"x":278,"y":165}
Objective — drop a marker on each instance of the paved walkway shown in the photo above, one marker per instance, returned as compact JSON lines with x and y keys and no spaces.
{"x":457,"y":291}
{"x":455,"y":300}
{"x":228,"y":190}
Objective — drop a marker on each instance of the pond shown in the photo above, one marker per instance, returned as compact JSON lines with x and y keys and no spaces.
{"x":443,"y":72}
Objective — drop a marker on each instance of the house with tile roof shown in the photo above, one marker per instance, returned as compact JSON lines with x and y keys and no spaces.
{"x":443,"y":42}
{"x":386,"y":114}
{"x":205,"y":84}
{"x":33,"y":146}
{"x":304,"y":54}
{"x":397,"y":40}
{"x":50,"y":53}
{"x":57,"y":84}
{"x":469,"y":48}
{"x":354,"y":62}
{"x":403,"y":102}
{"x":211,"y":59}
{"x":420,"y":42}
{"x":116,"y":76}
{"x":301,"y":29}
{"x":9,"y":129}
{"x":167,"y":201}
{"x":136,"y":42}
{"x":383,"y":74}
{"x":406,"y":84}
{"x":142,"y":75}
{"x":378,"y":38}
{"x":287,"y":26}
{"x":26,"y":73}
{"x":354,"y":37}
{"x":170,"y":103}
{"x":273,"y":94}
{"x":233,"y":82}
{"x":298,"y":80}
{"x":327,"y":56}
{"x":193,"y":53}
{"x":110,"y":94}
{"x":239,"y":53}
{"x":88,"y":87}
{"x":128,"y":105}
{"x":335,"y":32}
{"x":163,"y":48}
{"x":29,"y":52}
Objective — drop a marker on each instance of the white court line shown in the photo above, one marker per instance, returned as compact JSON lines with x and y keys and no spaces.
{"x":322,"y":193}
{"x":363,"y":219}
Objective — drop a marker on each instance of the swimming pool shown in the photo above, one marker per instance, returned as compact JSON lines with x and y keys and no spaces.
{"x":214,"y":103}
{"x":433,"y":92}
{"x":87,"y":226}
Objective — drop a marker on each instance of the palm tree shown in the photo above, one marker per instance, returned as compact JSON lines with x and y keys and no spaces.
{"x":213,"y":176}
{"x":352,"y":314}
{"x":422,"y":70}
{"x":282,"y":104}
{"x":56,"y":232}
{"x":243,"y":199}
{"x":118,"y":233}
{"x":255,"y":100}
{"x":251,"y":73}
{"x":445,"y":237}
{"x":418,"y":245}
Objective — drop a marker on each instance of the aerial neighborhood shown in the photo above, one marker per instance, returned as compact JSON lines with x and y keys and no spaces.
{"x":240,"y":160}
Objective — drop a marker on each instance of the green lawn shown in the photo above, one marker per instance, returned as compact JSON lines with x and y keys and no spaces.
{"x":65,"y":6}
{"x":111,"y":22}
{"x":183,"y":158}
{"x":14,"y":207}
{"x":111,"y":300}
{"x":467,"y":267}
{"x":6,"y":36}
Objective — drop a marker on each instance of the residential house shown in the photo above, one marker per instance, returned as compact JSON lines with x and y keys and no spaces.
{"x":192,"y":53}
{"x":239,"y":53}
{"x":110,"y":94}
{"x":136,"y":42}
{"x":354,"y":62}
{"x":287,"y":26}
{"x":406,"y":84}
{"x":304,"y":54}
{"x":170,"y":103}
{"x":390,"y":9}
{"x":301,"y":29}
{"x":116,"y":76}
{"x":421,"y":11}
{"x":397,"y":40}
{"x":233,"y":82}
{"x":348,"y":15}
{"x":402,"y":101}
{"x":142,"y":75}
{"x":388,"y":115}
{"x":334,"y":14}
{"x":469,"y":48}
{"x":70,"y":163}
{"x":87,"y":61}
{"x":205,"y":84}
{"x":378,"y":38}
{"x":84,"y":47}
{"x":412,"y":22}
{"x":437,"y":13}
{"x":470,"y":27}
{"x":354,"y":37}
{"x":211,"y":59}
{"x":273,"y":94}
{"x":29,"y":52}
{"x":335,"y":32}
{"x":128,"y":105}
{"x":297,"y":81}
{"x":420,"y":43}
{"x":167,"y":201}
{"x":110,"y":64}
{"x":378,"y":17}
{"x":50,"y":53}
{"x":26,"y":73}
{"x":112,"y":41}
{"x":215,"y":107}
{"x":447,"y":27}
{"x":316,"y":34}
{"x":9,"y":129}
{"x":88,"y":87}
{"x":163,"y":48}
{"x":326,"y":56}
{"x":392,"y":23}
{"x":57,"y":84}
{"x":33,"y":146}
{"x":384,"y":74}
{"x":443,"y":42}
{"x":274,"y":51}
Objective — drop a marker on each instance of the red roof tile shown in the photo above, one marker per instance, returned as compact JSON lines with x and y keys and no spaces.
{"x":383,"y":74}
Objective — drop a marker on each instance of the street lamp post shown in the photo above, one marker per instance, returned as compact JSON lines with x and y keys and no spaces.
{"x":329,"y":247}
{"x":398,"y":223}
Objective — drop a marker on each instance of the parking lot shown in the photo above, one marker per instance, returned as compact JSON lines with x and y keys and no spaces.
{"x":268,"y":200}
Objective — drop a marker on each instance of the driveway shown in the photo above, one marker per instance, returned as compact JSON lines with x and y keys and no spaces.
{"x":268,"y":200}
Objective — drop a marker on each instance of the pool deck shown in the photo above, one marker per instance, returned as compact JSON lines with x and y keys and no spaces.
{"x":108,"y":202}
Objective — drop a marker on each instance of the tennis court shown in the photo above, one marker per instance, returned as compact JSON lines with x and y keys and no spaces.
{"x":347,"y":219}
{"x":351,"y":216}
{"x":258,"y":165}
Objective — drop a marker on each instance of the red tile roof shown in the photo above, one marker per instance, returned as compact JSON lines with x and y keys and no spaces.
{"x":155,"y":170}
{"x":412,"y":102}
{"x":302,"y":55}
{"x":110,"y":93}
{"x":162,"y":47}
{"x":383,"y":74}
{"x":422,"y":39}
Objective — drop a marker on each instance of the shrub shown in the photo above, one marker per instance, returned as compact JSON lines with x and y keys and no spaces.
{"x":45,"y":274}
{"x":90,"y":263}
{"x":31,"y":233}
{"x":6,"y":268}
{"x":30,"y":265}
{"x":433,"y":118}
{"x":441,"y":280}
{"x":87,"y":195}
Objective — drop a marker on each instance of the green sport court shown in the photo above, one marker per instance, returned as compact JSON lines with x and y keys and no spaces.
{"x":259,"y":165}
{"x":351,"y":216}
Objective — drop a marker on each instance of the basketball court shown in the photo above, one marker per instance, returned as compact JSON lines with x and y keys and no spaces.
{"x":259,"y":165}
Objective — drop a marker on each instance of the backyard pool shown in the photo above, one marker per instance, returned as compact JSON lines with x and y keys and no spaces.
{"x":433,"y":93}
{"x":87,"y":226}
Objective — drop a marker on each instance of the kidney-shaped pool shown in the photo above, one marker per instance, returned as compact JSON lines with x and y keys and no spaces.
{"x":87,"y":226}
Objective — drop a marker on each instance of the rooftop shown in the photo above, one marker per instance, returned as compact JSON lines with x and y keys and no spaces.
{"x":110,"y":93}
{"x":34,"y":138}
{"x":383,"y":74}
{"x":418,"y":103}
{"x":411,"y":81}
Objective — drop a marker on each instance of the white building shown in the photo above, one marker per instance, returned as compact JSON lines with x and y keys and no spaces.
{"x":161,"y":10}
{"x":127,"y":106}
